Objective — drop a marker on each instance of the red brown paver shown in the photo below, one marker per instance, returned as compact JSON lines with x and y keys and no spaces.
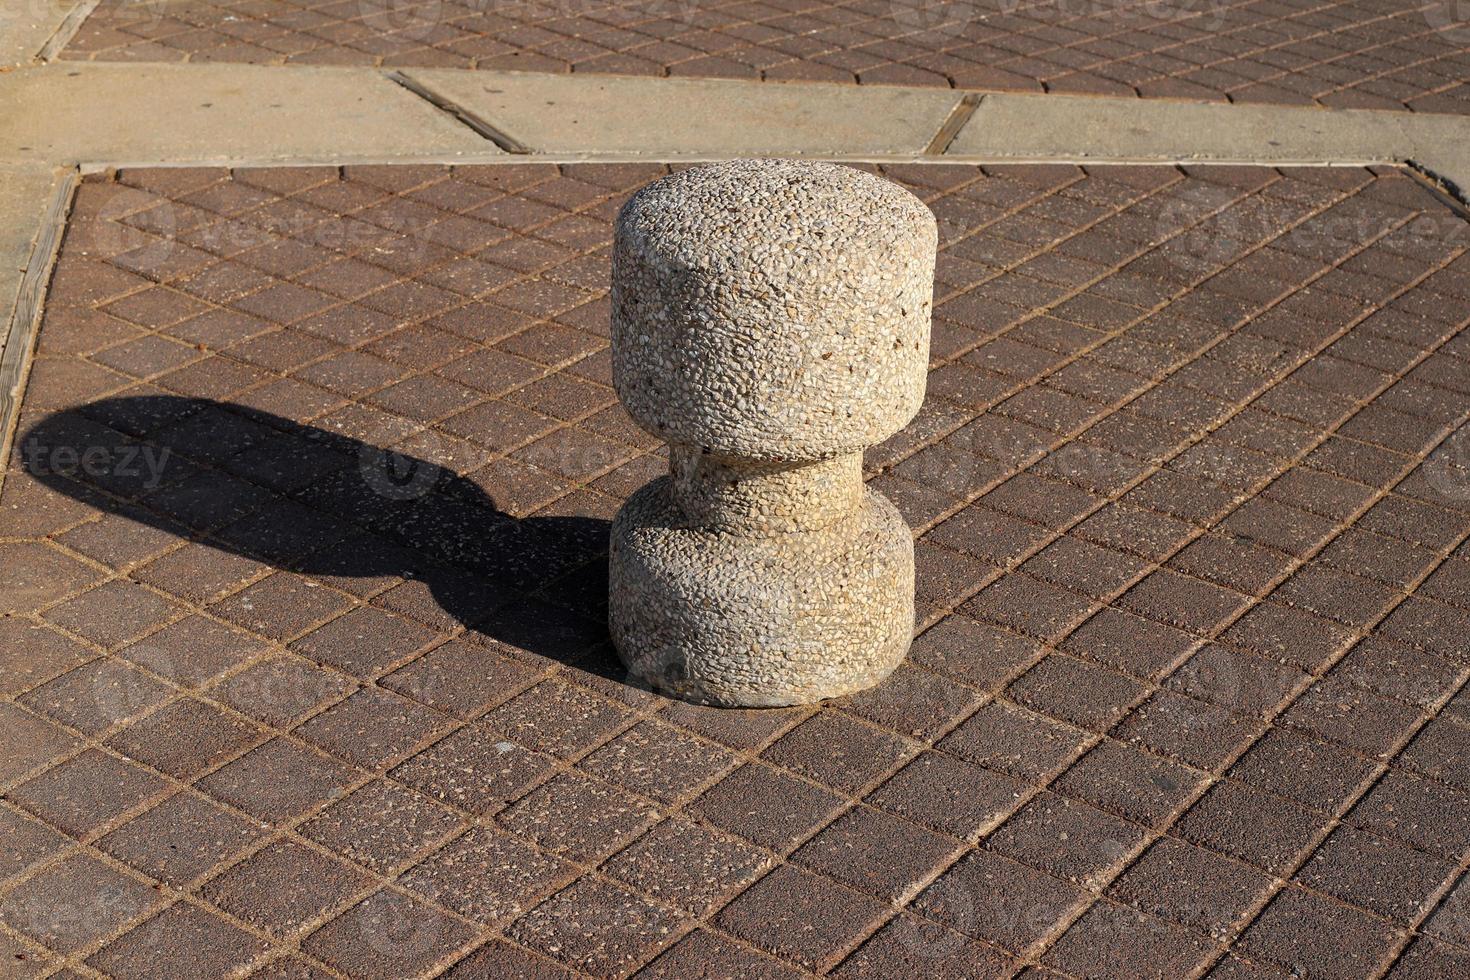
{"x":304,"y":567}
{"x":1347,"y":53}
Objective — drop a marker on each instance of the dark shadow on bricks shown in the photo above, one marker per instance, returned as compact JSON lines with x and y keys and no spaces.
{"x":327,"y":505}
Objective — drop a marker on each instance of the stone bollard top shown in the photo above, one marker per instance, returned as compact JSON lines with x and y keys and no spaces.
{"x":772,"y":309}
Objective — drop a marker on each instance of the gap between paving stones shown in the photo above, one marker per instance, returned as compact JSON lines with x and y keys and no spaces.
{"x":1335,"y":428}
{"x":1034,"y":955}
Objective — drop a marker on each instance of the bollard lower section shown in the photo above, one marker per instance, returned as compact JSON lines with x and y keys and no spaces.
{"x":770,"y":320}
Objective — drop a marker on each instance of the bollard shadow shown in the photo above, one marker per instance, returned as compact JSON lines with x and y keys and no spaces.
{"x":328,"y":505}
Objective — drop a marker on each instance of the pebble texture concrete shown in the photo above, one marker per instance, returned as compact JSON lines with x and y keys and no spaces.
{"x":770,"y":321}
{"x":1388,"y":54}
{"x":1190,"y":498}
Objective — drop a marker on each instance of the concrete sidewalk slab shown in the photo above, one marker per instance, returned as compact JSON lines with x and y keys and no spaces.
{"x":671,"y":118}
{"x":250,"y":115}
{"x":25,"y":194}
{"x":30,"y":209}
{"x":217,"y":113}
{"x":1090,"y":128}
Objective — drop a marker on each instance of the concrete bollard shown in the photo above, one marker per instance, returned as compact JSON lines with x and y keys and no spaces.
{"x":770,"y":320}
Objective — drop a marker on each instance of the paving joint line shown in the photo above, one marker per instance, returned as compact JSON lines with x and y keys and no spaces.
{"x":1095,"y":739}
{"x":1228,"y":945}
{"x":1035,"y":957}
{"x":424,"y":425}
{"x":365,"y":775}
{"x":571,"y":573}
{"x":288,"y":830}
{"x":284,"y":830}
{"x":1384,"y":765}
{"x":1112,"y":407}
{"x":1161,"y":466}
{"x":1357,"y":635}
{"x":1400,"y":595}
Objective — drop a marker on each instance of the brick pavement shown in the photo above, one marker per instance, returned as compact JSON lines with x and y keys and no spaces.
{"x":1188,"y":695}
{"x":1344,"y":53}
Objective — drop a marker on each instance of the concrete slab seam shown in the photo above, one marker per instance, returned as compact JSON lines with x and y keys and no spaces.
{"x":66,"y":30}
{"x":958,"y":117}
{"x":462,"y":115}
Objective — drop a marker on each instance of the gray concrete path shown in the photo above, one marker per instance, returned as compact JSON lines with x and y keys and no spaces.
{"x":30,"y":199}
{"x":98,"y":115}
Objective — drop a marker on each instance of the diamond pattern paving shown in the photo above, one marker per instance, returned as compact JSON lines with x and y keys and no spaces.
{"x":1381,"y":54}
{"x":302,"y":556}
